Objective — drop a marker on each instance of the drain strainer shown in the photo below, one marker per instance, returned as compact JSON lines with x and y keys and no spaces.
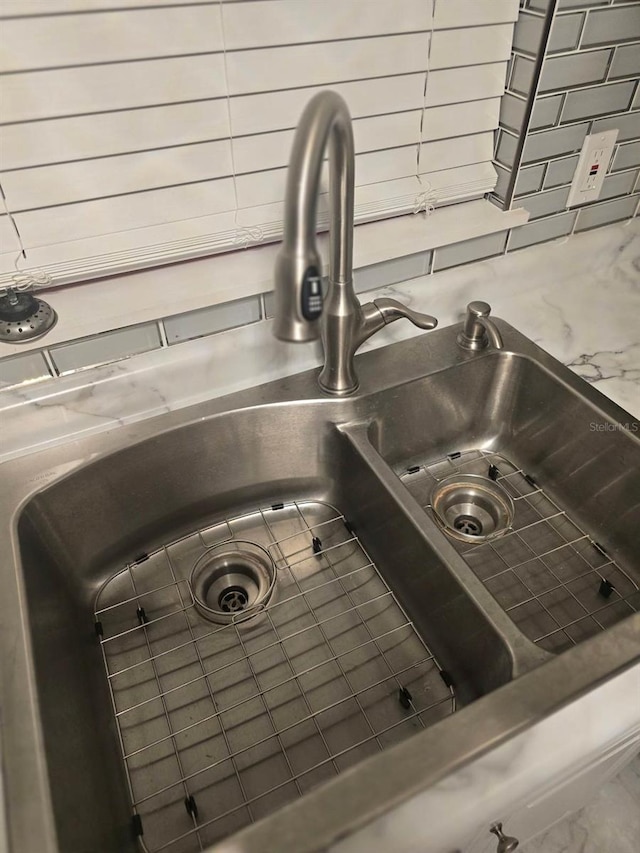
{"x":24,"y":318}
{"x":232,"y":581}
{"x":472,"y":508}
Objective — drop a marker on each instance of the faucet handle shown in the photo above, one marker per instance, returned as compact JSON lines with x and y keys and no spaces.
{"x":392,"y":310}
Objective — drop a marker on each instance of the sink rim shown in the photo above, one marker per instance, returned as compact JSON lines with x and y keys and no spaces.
{"x":402,"y":769}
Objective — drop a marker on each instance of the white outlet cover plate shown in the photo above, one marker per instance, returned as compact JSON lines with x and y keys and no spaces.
{"x":592,"y":167}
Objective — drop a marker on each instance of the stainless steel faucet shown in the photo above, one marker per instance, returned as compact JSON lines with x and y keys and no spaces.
{"x":342,"y":322}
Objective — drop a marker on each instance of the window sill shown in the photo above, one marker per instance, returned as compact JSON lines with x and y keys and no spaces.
{"x":151,"y":294}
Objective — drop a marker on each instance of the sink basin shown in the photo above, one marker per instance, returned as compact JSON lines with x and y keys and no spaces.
{"x":568,"y":564}
{"x":231,"y":619}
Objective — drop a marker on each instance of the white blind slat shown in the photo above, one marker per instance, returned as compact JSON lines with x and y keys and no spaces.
{"x":106,"y":135}
{"x":35,"y":7}
{"x":109,"y":37}
{"x":83,"y":91}
{"x":282,"y":22}
{"x":131,"y":155}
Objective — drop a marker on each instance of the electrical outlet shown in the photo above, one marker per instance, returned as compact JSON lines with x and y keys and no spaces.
{"x":592,"y":167}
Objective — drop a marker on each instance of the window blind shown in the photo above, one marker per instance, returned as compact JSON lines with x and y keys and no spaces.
{"x":140,"y":132}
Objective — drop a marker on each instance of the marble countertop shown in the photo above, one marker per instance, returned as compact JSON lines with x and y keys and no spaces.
{"x":578,"y":298}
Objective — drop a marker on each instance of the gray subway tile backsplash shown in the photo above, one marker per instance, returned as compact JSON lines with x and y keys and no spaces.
{"x":565,"y":34}
{"x":626,"y":62}
{"x":596,"y":215}
{"x":542,"y":230}
{"x":546,"y":203}
{"x":546,"y":111}
{"x":628,"y":126}
{"x":588,"y":103}
{"x":627,"y":157}
{"x":522,"y":75}
{"x":621,"y":183}
{"x":529,"y":180}
{"x":561,"y":172}
{"x":579,"y":69}
{"x":612,"y":25}
{"x":512,"y":111}
{"x":506,"y":149}
{"x":554,"y":143}
{"x":217,"y":318}
{"x":109,"y":346}
{"x":18,"y":369}
{"x":391,"y":272}
{"x":580,"y":4}
{"x":528,"y":33}
{"x":469,"y":250}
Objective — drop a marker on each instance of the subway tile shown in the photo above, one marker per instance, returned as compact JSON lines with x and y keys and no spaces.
{"x":579,"y":69}
{"x":542,"y":230}
{"x":539,"y":5}
{"x":546,"y":203}
{"x":546,"y":111}
{"x":561,"y":172}
{"x":469,"y":250}
{"x":580,"y":4}
{"x":527,"y":33}
{"x":602,"y":214}
{"x":636,"y":101}
{"x":522,"y":75}
{"x":627,"y":157}
{"x":502,"y":184}
{"x":390,"y":272}
{"x":269,"y":305}
{"x":611,"y":25}
{"x":616,"y":185}
{"x":626,"y":61}
{"x":207,"y":321}
{"x":628,"y":126}
{"x":22,"y":368}
{"x":512,"y":112}
{"x":600,"y":100}
{"x":506,"y":150}
{"x":109,"y":346}
{"x":529,"y":179}
{"x":553,"y":143}
{"x":565,"y":32}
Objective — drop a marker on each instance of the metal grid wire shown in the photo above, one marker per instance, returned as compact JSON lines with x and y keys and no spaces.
{"x":220,"y":725}
{"x":557,"y":584}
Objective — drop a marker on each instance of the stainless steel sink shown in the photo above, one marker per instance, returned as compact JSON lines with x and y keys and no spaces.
{"x":245,"y":618}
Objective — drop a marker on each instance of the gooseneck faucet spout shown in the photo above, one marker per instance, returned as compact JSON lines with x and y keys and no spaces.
{"x":341,"y":322}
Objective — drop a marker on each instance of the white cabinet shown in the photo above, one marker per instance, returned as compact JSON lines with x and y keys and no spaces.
{"x":547,"y":806}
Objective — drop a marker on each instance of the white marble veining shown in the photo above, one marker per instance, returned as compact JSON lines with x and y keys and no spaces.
{"x":578,"y":298}
{"x":611,"y":822}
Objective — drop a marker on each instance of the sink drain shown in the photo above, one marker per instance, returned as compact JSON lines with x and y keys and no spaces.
{"x":472,"y":508}
{"x":232,"y":581}
{"x":233,"y":600}
{"x":469,"y":525}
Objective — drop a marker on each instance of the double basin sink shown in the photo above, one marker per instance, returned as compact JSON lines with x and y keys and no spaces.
{"x":211,"y":615}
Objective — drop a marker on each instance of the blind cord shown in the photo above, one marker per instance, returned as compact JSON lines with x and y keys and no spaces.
{"x":425,"y":200}
{"x":244,"y":236}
